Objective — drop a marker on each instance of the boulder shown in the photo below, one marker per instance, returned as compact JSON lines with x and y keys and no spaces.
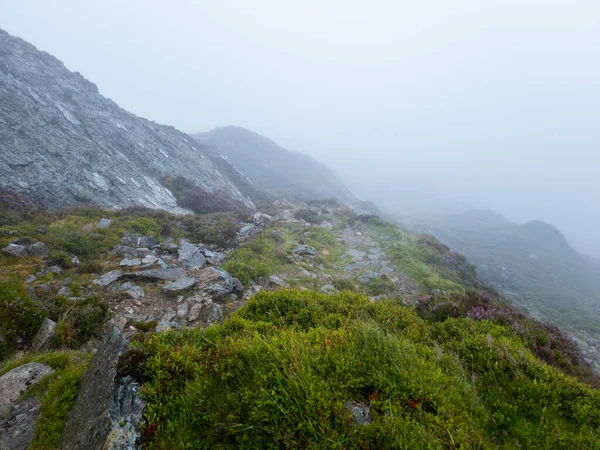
{"x":360,"y":411}
{"x":108,"y":410}
{"x":238,"y":286}
{"x":305,"y":250}
{"x":160,"y":274}
{"x":215,"y":282}
{"x":108,"y":278}
{"x":14,"y":383}
{"x":204,"y":311}
{"x":44,"y":336}
{"x":246,"y":230}
{"x":104,"y":223}
{"x":38,"y":249}
{"x":17,"y":431}
{"x":326,"y":225}
{"x":276,"y":281}
{"x":190,"y":255}
{"x":16,"y":250}
{"x":261,"y":219}
{"x":130,"y":263}
{"x":214,"y":258}
{"x":179,"y":286}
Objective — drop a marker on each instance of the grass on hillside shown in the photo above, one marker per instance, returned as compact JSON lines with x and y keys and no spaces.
{"x":278,"y":373}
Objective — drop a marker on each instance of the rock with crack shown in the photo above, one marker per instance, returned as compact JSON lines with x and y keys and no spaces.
{"x":180,"y":286}
{"x":108,"y":410}
{"x":108,"y":278}
{"x":190,"y":255}
{"x":14,"y":383}
{"x":215,"y":282}
{"x":44,"y":336}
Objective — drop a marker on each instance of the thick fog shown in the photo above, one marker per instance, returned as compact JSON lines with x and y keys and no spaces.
{"x":420,"y":104}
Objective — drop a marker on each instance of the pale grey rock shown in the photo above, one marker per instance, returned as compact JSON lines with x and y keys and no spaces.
{"x":159,"y":274}
{"x":108,"y":278}
{"x":179,"y":286}
{"x":329,"y":289}
{"x":16,"y":250}
{"x":38,"y":249}
{"x":215,"y":282}
{"x":190,"y":255}
{"x":14,"y":383}
{"x":326,"y":225}
{"x":104,"y":223}
{"x":360,"y":411}
{"x":274,"y":280}
{"x":44,"y":336}
{"x":204,"y":311}
{"x":130,"y":263}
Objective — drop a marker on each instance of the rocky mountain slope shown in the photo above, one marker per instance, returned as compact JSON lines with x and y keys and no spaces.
{"x":64,"y":144}
{"x":532,"y":263}
{"x":299,"y":315}
{"x":279,"y":172}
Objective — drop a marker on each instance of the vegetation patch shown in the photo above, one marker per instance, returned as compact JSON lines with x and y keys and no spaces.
{"x":279,"y":373}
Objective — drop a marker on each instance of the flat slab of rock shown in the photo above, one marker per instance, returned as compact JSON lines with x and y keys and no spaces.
{"x":108,"y":278}
{"x":160,"y":274}
{"x":14,"y":383}
{"x":104,"y":223}
{"x":179,"y":286}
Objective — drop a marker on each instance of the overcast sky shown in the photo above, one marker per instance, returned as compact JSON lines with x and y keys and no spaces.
{"x":495,"y":103}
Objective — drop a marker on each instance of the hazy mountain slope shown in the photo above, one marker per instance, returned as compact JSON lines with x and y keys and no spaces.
{"x":534,"y":261}
{"x":63,"y":144}
{"x":275,"y":169}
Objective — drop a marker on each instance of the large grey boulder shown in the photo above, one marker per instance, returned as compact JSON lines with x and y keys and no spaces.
{"x":108,"y":410}
{"x":14,"y":383}
{"x":190,"y":255}
{"x":15,"y":250}
{"x":204,"y":311}
{"x":44,"y":336}
{"x":215,"y":282}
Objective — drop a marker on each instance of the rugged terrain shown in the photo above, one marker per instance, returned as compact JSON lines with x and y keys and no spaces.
{"x":533,"y":265}
{"x":63,"y":144}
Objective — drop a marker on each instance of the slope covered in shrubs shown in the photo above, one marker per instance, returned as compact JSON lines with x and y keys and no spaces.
{"x":286,"y":369}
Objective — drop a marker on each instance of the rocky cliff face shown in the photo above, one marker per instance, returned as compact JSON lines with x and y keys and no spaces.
{"x":64,"y":144}
{"x":279,"y":172}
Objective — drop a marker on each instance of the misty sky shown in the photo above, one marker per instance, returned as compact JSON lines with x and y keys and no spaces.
{"x":493,"y":103}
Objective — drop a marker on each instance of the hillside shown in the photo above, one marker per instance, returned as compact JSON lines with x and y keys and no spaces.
{"x":533,"y":263}
{"x":279,"y":172}
{"x":342,"y":332}
{"x":63,"y":144}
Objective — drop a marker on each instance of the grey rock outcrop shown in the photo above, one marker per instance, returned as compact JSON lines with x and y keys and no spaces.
{"x":15,"y":250}
{"x":179,"y":286}
{"x":190,"y":255}
{"x":108,"y":410}
{"x":215,"y":281}
{"x":108,"y":278}
{"x":96,"y":153}
{"x":160,"y":274}
{"x":305,"y":250}
{"x":17,"y":431}
{"x":14,"y":383}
